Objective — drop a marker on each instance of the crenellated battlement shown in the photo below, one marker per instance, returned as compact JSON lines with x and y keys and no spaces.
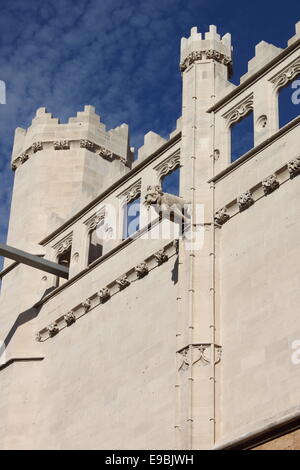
{"x":204,"y":47}
{"x":46,"y":132}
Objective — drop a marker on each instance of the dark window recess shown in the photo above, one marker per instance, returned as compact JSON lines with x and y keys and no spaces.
{"x":65,"y":260}
{"x":242,"y":136}
{"x":289,"y":102}
{"x":95,"y":246}
{"x":170,"y":182}
{"x":131,"y":217}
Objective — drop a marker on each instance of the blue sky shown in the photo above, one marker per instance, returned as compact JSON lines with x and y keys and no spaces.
{"x":119,"y":55}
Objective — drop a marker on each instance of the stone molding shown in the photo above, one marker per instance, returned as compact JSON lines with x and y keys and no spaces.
{"x":168,"y":165}
{"x":267,"y":186}
{"x":286,"y":75}
{"x":65,"y":144}
{"x":96,"y":219}
{"x":131,"y":193}
{"x":201,"y":355}
{"x":206,"y":55}
{"x":105,"y":293}
{"x":62,"y":246}
{"x":240,"y":110}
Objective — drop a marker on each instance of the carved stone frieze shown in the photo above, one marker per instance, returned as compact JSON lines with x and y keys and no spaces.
{"x":269,"y":184}
{"x":141,"y":270}
{"x":245,"y":201}
{"x":201,"y":354}
{"x":203,"y":55}
{"x":294,"y":167}
{"x":105,"y":153}
{"x":221,"y":216}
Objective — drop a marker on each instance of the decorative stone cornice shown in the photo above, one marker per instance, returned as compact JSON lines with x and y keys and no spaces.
{"x":286,"y":75}
{"x":65,"y":144}
{"x":205,"y":55}
{"x":131,"y":193}
{"x":239,"y":111}
{"x":245,"y":201}
{"x":94,"y":221}
{"x":141,"y":270}
{"x":105,"y":293}
{"x":61,"y":145}
{"x":270,"y":184}
{"x":294,"y":167}
{"x":168,"y":165}
{"x":64,"y":244}
{"x":221,"y":216}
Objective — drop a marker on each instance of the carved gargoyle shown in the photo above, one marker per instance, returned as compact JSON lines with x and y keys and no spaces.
{"x":168,"y":205}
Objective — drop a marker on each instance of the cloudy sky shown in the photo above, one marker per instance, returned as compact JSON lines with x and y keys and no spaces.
{"x":119,"y":55}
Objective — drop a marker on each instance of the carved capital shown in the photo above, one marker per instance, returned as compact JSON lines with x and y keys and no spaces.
{"x":123,"y":282}
{"x":61,"y":145}
{"x":294,"y":167}
{"x":269,"y":184}
{"x":141,"y":270}
{"x":104,"y":295}
{"x":70,"y":318}
{"x":245,"y":201}
{"x":221,"y":216}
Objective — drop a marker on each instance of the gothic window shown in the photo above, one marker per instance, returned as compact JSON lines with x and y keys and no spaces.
{"x":95,"y":245}
{"x":242,"y":136}
{"x":170,"y":182}
{"x":289,"y":101}
{"x":131,"y":217}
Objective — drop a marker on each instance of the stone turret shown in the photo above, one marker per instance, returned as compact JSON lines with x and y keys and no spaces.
{"x":59,"y":168}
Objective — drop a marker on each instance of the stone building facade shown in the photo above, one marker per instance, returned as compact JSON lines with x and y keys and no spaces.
{"x":176,"y":334}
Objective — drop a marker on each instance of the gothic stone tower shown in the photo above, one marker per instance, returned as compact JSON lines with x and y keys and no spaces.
{"x":159,"y":340}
